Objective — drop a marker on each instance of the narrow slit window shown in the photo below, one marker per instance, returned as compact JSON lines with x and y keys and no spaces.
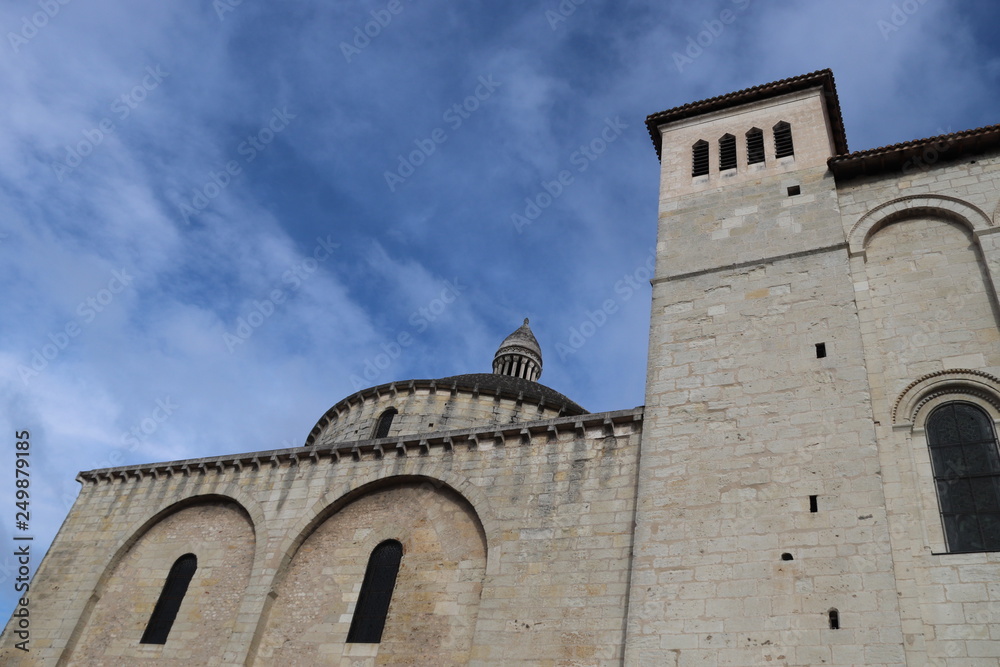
{"x":165,"y":611}
{"x":783,"y":146}
{"x":727,"y":152}
{"x":966,"y":465}
{"x":384,"y":423}
{"x":834,"y":619}
{"x":820,"y":350}
{"x":814,"y":504}
{"x":376,"y":593}
{"x":755,"y":146}
{"x":699,"y":166}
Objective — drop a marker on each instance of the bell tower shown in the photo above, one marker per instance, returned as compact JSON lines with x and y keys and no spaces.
{"x":758,"y":451}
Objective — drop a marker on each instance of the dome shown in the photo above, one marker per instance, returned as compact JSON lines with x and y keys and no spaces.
{"x":519,"y":355}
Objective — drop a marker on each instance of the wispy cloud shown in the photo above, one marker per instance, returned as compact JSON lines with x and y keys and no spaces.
{"x":169,"y":99}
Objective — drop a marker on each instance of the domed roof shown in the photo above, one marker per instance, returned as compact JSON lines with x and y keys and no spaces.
{"x":514,"y":386}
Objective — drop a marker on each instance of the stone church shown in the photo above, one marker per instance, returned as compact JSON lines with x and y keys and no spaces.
{"x":814,"y":478}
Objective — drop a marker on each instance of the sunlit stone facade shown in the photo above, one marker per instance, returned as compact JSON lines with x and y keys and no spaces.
{"x":813,"y":480}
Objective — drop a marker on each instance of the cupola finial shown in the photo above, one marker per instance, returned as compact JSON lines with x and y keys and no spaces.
{"x":519,"y":355}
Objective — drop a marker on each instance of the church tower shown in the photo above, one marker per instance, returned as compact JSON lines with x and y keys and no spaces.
{"x":760,"y":526}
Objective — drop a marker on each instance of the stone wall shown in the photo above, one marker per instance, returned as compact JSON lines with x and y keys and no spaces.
{"x":516,"y":547}
{"x":926,"y":265}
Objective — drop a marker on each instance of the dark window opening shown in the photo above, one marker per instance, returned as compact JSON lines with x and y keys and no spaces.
{"x":786,"y":556}
{"x":834,"y":619}
{"x":699,"y":165}
{"x":820,"y":350}
{"x":794,"y":190}
{"x":384,"y":423}
{"x":783,"y":146}
{"x":376,"y":593}
{"x":813,"y":504}
{"x":966,"y":464}
{"x":755,"y":146}
{"x":727,"y":152}
{"x":170,"y":600}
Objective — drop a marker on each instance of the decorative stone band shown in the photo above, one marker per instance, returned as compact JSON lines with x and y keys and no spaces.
{"x":956,"y":381}
{"x":601,"y":424}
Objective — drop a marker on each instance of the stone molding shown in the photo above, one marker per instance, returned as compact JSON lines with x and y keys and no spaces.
{"x":951,"y":381}
{"x":951,"y":208}
{"x":537,"y":432}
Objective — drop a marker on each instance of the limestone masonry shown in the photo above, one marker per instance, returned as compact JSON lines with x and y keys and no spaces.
{"x":814,"y":478}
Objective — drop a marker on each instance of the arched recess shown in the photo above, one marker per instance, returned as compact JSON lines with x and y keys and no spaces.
{"x":222,"y":533}
{"x":435,"y":603}
{"x":943,"y":206}
{"x":927,"y":392}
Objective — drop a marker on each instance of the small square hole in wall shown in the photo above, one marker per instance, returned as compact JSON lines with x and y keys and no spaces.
{"x":794,"y":190}
{"x":820,"y":350}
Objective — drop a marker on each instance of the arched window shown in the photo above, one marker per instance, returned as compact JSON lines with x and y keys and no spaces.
{"x":376,"y":592}
{"x":966,"y":464}
{"x":727,"y":152}
{"x":755,"y":145}
{"x":783,"y":140}
{"x":699,"y":166}
{"x":384,"y":422}
{"x":170,"y":600}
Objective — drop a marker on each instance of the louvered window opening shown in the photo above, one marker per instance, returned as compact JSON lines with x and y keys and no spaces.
{"x":376,"y":593}
{"x":783,"y":146}
{"x":966,"y":464}
{"x":699,"y":165}
{"x":755,"y":146}
{"x":384,"y":423}
{"x":727,"y":152}
{"x":174,"y":590}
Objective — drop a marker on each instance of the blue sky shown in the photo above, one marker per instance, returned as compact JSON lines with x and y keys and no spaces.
{"x":219,"y":219}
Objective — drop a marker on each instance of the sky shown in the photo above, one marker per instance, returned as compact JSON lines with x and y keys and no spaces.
{"x":220,"y":218}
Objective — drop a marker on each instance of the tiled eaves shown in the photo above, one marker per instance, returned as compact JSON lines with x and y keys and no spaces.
{"x":411,"y":386}
{"x":917,"y":155}
{"x":621,"y":422}
{"x":823,"y":77}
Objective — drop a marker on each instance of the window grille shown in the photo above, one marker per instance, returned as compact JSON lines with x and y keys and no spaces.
{"x":783,"y":140}
{"x":170,"y":600}
{"x":727,"y":152}
{"x":966,"y":466}
{"x":384,"y":423}
{"x":376,"y":592}
{"x":755,"y":146}
{"x":700,"y":159}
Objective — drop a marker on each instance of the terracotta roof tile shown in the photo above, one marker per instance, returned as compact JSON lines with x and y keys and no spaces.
{"x":917,"y":154}
{"x":822,"y":78}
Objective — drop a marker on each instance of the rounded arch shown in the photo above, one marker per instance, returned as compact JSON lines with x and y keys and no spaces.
{"x":927,"y":392}
{"x":949,"y":208}
{"x":338,"y":532}
{"x":342,"y":495}
{"x":229,"y":497}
